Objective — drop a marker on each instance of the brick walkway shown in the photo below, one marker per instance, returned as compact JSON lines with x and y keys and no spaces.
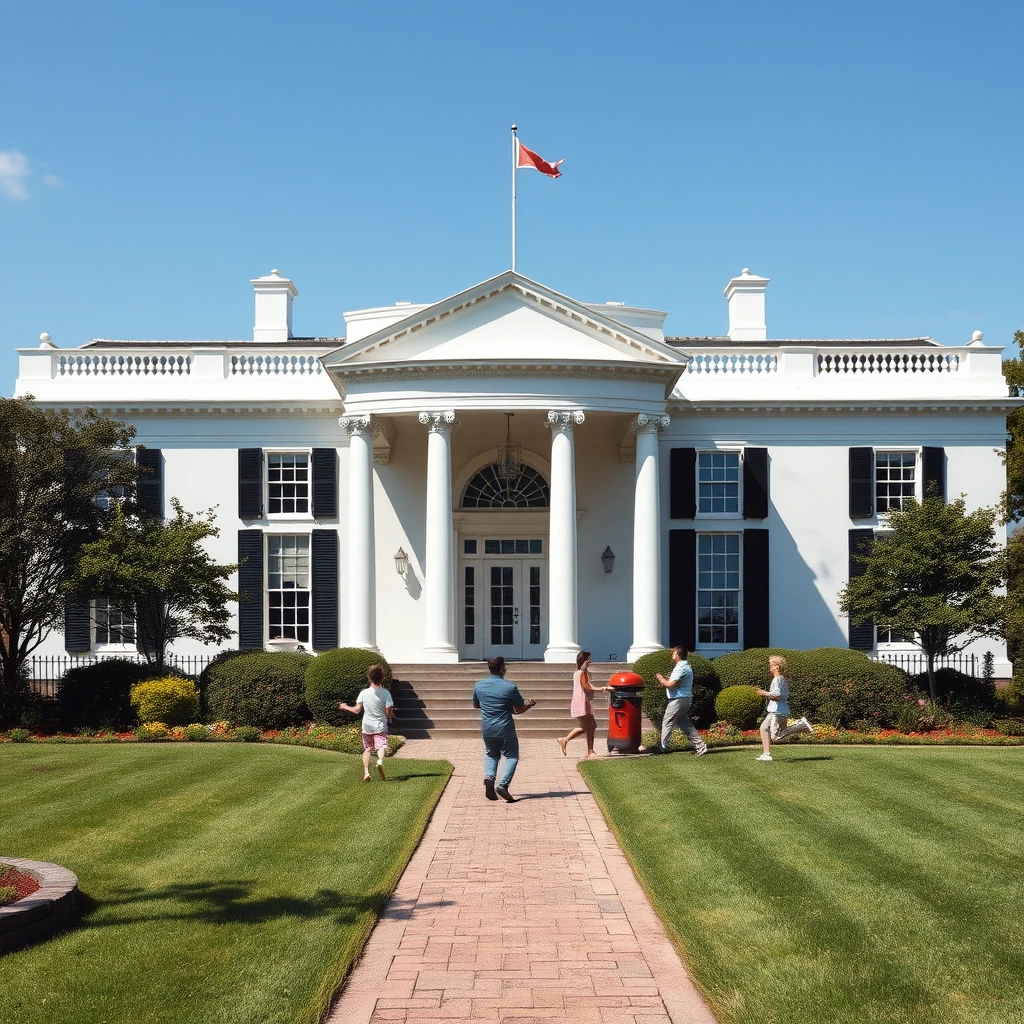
{"x":524,"y":912}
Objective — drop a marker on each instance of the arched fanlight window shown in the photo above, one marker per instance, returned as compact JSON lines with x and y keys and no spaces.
{"x":488,"y":489}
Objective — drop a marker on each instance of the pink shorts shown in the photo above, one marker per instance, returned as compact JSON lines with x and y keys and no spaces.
{"x":375,"y":741}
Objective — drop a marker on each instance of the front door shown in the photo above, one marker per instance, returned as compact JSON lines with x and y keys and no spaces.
{"x":513,"y":613}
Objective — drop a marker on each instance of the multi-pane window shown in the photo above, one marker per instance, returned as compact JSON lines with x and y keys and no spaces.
{"x":512,"y":547}
{"x":114,"y":494}
{"x":534,"y":604}
{"x":718,"y":588}
{"x":503,"y":612}
{"x":895,"y":474}
{"x":718,"y":482}
{"x":287,"y":483}
{"x":888,"y":635}
{"x":115,"y":621}
{"x":469,"y":604}
{"x":288,"y":587}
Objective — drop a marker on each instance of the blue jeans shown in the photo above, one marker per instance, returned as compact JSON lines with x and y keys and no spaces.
{"x":506,"y":745}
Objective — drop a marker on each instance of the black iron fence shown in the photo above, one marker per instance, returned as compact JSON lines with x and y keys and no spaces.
{"x":914,"y":662}
{"x":46,"y":671}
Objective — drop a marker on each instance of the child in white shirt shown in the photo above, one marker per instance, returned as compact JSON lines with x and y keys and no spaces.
{"x":773,"y":728}
{"x":377,"y":708}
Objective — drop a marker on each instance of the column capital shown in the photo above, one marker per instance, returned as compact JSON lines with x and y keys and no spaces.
{"x":559,"y":420}
{"x":643,"y":423}
{"x":359,"y":425}
{"x":440,"y":422}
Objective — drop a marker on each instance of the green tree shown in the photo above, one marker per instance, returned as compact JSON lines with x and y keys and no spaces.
{"x":934,"y":575}
{"x":1013,"y":507}
{"x":54,"y":470}
{"x":164,"y":569}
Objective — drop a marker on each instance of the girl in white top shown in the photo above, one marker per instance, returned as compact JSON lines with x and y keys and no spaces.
{"x":773,"y":728}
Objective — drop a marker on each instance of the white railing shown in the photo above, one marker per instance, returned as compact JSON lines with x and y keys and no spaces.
{"x":266,"y":365}
{"x":888,"y":362}
{"x":124,"y":365}
{"x":746,"y":364}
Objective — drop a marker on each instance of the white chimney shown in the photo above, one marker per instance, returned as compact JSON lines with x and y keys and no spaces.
{"x":745,"y":295}
{"x":274,"y":295}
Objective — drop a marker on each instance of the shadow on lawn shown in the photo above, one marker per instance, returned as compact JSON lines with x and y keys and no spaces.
{"x":229,"y":902}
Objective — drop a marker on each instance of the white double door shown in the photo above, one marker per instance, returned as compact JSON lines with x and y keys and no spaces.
{"x":513,"y":614}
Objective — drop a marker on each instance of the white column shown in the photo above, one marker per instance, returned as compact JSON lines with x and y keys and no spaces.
{"x":562,"y":557}
{"x":359,"y":583}
{"x":646,"y":538}
{"x":439,"y":632}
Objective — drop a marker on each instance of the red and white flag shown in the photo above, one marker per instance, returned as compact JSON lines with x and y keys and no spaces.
{"x":527,"y":158}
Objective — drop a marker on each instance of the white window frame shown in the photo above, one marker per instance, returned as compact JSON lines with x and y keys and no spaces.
{"x":723,"y":646}
{"x":731,"y":450}
{"x":290,"y":517}
{"x":892,"y":645}
{"x":271,"y":535}
{"x":917,"y":451}
{"x":122,"y":647}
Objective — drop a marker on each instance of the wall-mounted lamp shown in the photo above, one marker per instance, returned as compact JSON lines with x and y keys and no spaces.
{"x":401,"y":562}
{"x":608,"y":559}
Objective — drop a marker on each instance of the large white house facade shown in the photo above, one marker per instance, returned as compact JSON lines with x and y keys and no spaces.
{"x":511,"y":471}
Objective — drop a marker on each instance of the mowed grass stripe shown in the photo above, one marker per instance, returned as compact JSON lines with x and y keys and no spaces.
{"x":834,"y":884}
{"x":234,"y":883}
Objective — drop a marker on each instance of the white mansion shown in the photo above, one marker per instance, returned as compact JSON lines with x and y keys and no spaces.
{"x":511,"y":471}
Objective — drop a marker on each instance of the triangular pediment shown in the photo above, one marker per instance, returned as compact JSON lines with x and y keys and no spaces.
{"x":507,"y":319}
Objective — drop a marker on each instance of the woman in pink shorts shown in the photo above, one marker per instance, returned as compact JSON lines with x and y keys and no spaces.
{"x":377,"y":708}
{"x":582,"y":707}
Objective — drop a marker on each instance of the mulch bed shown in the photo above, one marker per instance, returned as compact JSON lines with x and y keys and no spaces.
{"x":24,"y":885}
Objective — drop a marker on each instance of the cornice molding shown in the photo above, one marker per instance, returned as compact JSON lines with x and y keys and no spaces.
{"x":881,"y":405}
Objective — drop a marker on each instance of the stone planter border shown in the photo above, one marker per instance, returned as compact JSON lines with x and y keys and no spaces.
{"x":45,"y":912}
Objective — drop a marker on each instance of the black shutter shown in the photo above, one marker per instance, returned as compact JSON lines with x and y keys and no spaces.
{"x":682,"y":483}
{"x":862,"y":632}
{"x":146,"y":622}
{"x":755,"y":483}
{"x":755,"y":588}
{"x":324,"y":570}
{"x":682,"y":589}
{"x":935,"y":472}
{"x":250,"y":586}
{"x":325,"y":483}
{"x":77,"y":631}
{"x":250,"y":483}
{"x":862,"y":483}
{"x":150,"y":486}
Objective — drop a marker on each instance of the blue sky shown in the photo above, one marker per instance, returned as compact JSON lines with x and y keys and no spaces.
{"x":867,"y":157}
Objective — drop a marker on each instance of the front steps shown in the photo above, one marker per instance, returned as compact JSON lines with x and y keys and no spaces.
{"x":436,"y":701}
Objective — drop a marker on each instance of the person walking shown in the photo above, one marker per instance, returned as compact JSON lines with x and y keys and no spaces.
{"x":679,"y":691}
{"x":774,"y":728}
{"x":377,"y":708}
{"x":582,"y":707}
{"x":498,"y":701}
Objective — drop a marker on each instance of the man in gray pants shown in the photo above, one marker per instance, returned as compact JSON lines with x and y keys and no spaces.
{"x":679,"y":690}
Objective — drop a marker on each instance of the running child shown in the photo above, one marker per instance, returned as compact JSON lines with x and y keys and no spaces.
{"x":773,"y":728}
{"x":377,"y":708}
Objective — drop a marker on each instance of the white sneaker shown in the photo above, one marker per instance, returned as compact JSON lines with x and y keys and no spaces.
{"x":807,"y":726}
{"x":701,"y":750}
{"x":765,"y":757}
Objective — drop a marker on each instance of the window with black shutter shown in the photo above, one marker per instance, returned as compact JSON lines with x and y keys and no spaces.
{"x":77,"y":625}
{"x":755,"y":589}
{"x":934,"y":460}
{"x":150,"y":486}
{"x":683,"y":483}
{"x":755,"y":483}
{"x":862,"y":631}
{"x":325,"y":589}
{"x":250,"y":483}
{"x":862,"y":483}
{"x":325,"y":483}
{"x":250,"y":587}
{"x":682,"y":589}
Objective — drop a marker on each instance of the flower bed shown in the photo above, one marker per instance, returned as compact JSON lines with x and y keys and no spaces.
{"x":15,"y":885}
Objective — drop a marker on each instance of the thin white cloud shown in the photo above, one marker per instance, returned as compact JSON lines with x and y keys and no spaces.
{"x":52,"y":181}
{"x":14,"y":173}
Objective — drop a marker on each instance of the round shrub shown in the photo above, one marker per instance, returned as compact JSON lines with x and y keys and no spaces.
{"x":959,"y":691}
{"x":196,"y":733}
{"x":259,"y":688}
{"x":98,"y":695}
{"x":151,"y":732}
{"x":739,"y":706}
{"x":18,"y":735}
{"x":336,"y":676}
{"x":248,"y":734}
{"x":171,"y":700}
{"x":705,"y":686}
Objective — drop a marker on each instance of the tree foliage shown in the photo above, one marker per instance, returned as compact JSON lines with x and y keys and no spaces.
{"x":54,"y":466}
{"x":1013,"y":499}
{"x":934,"y":575}
{"x":164,"y":569}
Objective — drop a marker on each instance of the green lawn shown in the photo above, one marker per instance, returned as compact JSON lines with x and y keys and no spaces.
{"x":227,"y":883}
{"x":834,"y":885}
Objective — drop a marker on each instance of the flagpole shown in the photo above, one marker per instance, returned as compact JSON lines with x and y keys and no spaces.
{"x":514,"y":155}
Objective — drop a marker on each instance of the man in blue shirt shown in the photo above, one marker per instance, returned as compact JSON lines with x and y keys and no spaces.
{"x":498,"y":701}
{"x":679,"y":691}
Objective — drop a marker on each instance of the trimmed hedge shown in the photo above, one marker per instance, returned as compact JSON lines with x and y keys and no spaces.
{"x":832,"y":685}
{"x":170,"y":700}
{"x":740,"y":706}
{"x":705,"y":686}
{"x":259,"y":688}
{"x":958,"y":691}
{"x":339,"y":676}
{"x":98,"y":695}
